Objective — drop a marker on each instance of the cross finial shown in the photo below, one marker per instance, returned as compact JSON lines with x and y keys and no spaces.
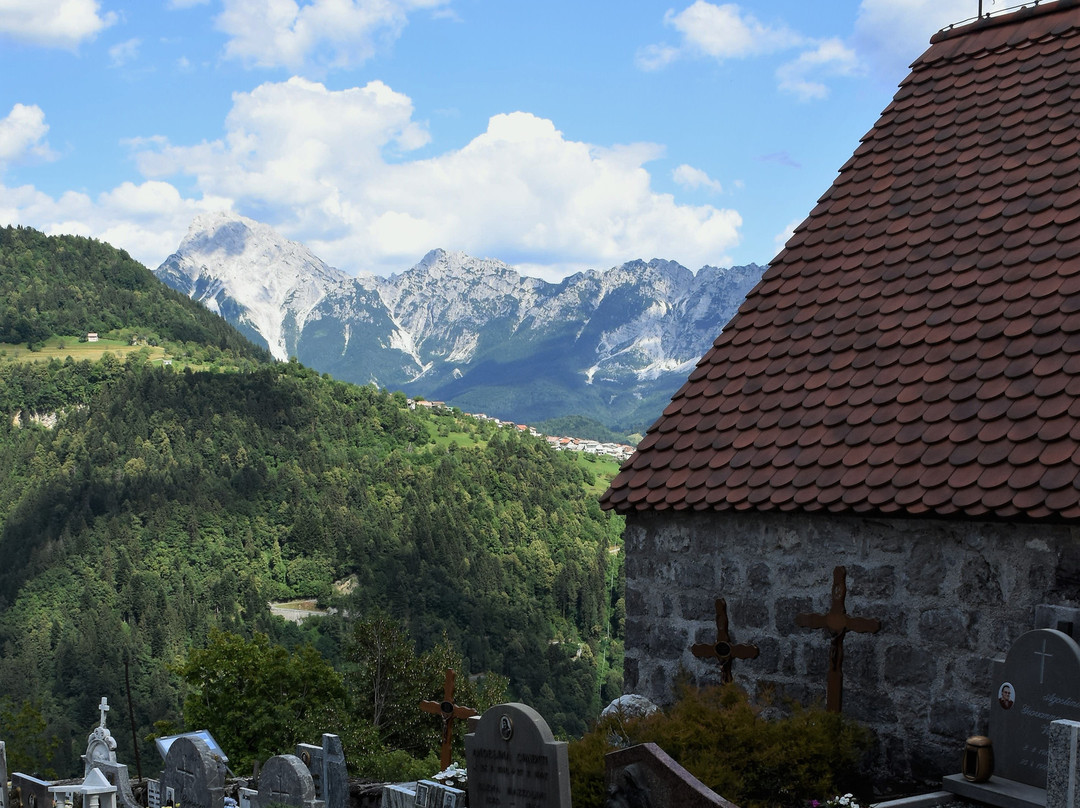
{"x":104,"y":708}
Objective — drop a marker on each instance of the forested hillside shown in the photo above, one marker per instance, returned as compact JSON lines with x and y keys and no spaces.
{"x":167,"y":503}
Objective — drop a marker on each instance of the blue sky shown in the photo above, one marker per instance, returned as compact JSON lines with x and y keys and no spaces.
{"x":555,"y":136}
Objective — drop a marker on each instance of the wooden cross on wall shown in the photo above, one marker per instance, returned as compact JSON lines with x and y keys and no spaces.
{"x":722,"y":650}
{"x":838,"y":623}
{"x":449,"y":711}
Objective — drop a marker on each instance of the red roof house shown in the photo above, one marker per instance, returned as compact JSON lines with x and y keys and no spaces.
{"x":900,"y":394}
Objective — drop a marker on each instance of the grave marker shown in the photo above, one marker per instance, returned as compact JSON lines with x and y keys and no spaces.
{"x":101,"y":754}
{"x":193,"y":777}
{"x":838,"y":623}
{"x":723,"y":651}
{"x":285,"y":780}
{"x":327,"y":766}
{"x":1038,"y":683}
{"x":449,"y":711}
{"x":3,"y":776}
{"x":515,"y":762}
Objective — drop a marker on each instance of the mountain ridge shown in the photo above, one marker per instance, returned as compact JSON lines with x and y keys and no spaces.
{"x":608,"y":344}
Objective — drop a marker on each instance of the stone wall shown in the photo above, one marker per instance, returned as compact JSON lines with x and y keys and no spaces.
{"x":951,"y":597}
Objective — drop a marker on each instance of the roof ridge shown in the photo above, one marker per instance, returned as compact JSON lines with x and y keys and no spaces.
{"x":1006,"y":16}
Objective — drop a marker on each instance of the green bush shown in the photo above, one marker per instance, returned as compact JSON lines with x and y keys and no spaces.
{"x":728,"y":744}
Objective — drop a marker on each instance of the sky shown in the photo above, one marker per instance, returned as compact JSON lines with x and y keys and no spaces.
{"x":556,"y":136}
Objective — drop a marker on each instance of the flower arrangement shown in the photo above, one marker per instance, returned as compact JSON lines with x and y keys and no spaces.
{"x":845,"y":801}
{"x":458,"y":777}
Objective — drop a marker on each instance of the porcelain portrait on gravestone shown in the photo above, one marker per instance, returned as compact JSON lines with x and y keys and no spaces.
{"x":1006,"y":695}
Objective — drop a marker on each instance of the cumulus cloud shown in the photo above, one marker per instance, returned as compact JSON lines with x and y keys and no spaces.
{"x":53,"y":23}
{"x":22,"y":135}
{"x":333,"y":33}
{"x":694,"y":178}
{"x":727,"y":32}
{"x":331,"y":168}
{"x":147,"y":219}
{"x":723,"y":32}
{"x":891,"y":34}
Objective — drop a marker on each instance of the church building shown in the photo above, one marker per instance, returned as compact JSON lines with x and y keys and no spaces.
{"x":900,"y":396}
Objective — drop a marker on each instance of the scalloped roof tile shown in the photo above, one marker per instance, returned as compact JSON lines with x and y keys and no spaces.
{"x":915,"y":347}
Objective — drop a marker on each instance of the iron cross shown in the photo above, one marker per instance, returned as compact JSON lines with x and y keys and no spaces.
{"x":722,"y":650}
{"x":838,"y":623}
{"x":449,"y":711}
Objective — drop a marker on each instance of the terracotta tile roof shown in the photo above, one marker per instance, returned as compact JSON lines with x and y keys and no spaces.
{"x":915,"y":348}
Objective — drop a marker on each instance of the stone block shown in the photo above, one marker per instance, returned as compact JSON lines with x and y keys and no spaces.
{"x":923,"y":574}
{"x":948,"y":625}
{"x":980,"y":581}
{"x":951,"y":718}
{"x":909,"y":666}
{"x":759,"y":576}
{"x":871,"y":581}
{"x":697,"y":606}
{"x":786,"y":609}
{"x":747,"y":614}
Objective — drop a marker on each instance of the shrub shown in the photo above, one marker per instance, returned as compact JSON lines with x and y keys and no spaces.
{"x":728,"y":744}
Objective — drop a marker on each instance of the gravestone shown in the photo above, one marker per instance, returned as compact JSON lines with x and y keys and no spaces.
{"x":1038,"y":683}
{"x":285,"y":780}
{"x":33,"y":793}
{"x":153,"y":794}
{"x":101,"y":754}
{"x":515,"y":762}
{"x":193,"y":777}
{"x":3,"y":776}
{"x":430,"y":794}
{"x":1063,"y":775}
{"x":327,"y":766}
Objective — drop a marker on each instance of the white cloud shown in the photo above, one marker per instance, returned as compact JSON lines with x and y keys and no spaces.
{"x":727,"y":32}
{"x":891,"y":34}
{"x":723,"y":32}
{"x":53,"y":23}
{"x":22,"y":134}
{"x":693,"y":178}
{"x":333,"y":33}
{"x":147,"y":220}
{"x":326,"y":167}
{"x":124,"y":52}
{"x":802,"y":76}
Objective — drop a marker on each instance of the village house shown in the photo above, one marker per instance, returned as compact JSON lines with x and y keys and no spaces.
{"x":900,"y":395}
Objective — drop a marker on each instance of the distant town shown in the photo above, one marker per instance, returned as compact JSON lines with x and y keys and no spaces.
{"x":619,"y":451}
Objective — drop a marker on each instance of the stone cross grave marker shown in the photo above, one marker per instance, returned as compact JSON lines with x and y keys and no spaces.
{"x":101,"y":755}
{"x":327,"y":766}
{"x":3,"y":776}
{"x":285,"y":780}
{"x":838,"y":623}
{"x":515,"y":762}
{"x":1038,"y":683}
{"x":194,"y":777}
{"x":449,"y":711}
{"x":723,"y":651}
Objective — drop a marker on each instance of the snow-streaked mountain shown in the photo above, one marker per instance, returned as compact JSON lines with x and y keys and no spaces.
{"x":608,"y":344}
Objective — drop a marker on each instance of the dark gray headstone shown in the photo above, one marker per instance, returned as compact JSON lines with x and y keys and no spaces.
{"x":1038,"y":683}
{"x":430,"y":794}
{"x":3,"y":776}
{"x":194,"y":777}
{"x":515,"y":762}
{"x":33,"y":793}
{"x":327,"y":766}
{"x":285,"y":780}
